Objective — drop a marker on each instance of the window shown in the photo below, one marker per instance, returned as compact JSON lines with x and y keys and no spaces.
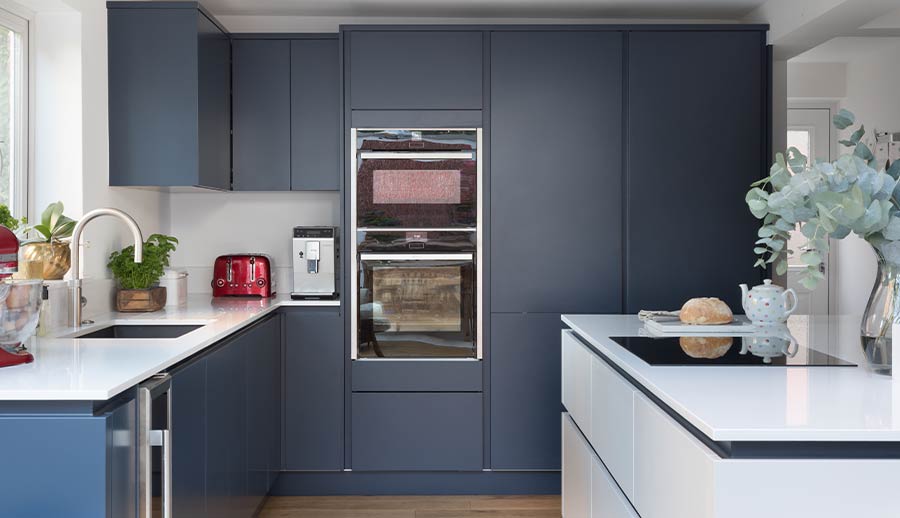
{"x":13,"y":112}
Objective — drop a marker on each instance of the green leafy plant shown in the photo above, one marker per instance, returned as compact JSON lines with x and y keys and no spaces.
{"x":54,"y":226}
{"x":826,"y":200}
{"x":143,"y":275}
{"x":7,"y":219}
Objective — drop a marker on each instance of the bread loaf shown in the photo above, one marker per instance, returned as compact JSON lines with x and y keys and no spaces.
{"x":709,"y":347}
{"x":706,"y":311}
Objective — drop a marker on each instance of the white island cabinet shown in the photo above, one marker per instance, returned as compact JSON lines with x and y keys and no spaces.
{"x":720,"y":442}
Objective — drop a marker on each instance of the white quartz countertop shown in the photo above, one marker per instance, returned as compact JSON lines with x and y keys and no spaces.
{"x":765,"y":403}
{"x":78,"y":369}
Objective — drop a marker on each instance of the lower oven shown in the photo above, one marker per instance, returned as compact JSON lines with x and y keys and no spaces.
{"x":416,"y":306}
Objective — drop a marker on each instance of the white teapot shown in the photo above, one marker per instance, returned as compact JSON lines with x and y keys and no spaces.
{"x":767,"y":303}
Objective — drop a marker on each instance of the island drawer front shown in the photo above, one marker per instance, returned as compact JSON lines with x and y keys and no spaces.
{"x":589,"y":490}
{"x":612,"y":422}
{"x":576,"y":380}
{"x":576,"y":471}
{"x":674,"y":473}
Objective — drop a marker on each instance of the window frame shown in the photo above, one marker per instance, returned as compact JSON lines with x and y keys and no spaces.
{"x":19,"y":20}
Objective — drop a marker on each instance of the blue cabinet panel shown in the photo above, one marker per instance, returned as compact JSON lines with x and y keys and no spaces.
{"x":262,"y":115}
{"x":72,"y":466}
{"x":417,"y":376}
{"x":689,"y":233}
{"x":315,"y":115}
{"x":525,"y":391}
{"x":169,"y":97}
{"x":556,"y":172}
{"x":401,"y":431}
{"x":420,"y":70}
{"x":189,"y":432}
{"x":226,"y":432}
{"x":261,"y":347}
{"x":314,"y":389}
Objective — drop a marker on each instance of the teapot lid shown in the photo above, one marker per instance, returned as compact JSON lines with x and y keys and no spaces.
{"x":768,"y":286}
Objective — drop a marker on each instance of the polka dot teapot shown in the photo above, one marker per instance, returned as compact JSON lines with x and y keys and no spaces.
{"x":767,"y":303}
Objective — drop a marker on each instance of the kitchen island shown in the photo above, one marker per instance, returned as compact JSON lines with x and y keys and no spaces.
{"x":673,"y":441}
{"x":77,"y":422}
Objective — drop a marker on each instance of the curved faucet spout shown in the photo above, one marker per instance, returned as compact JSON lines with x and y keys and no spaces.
{"x":76,"y":249}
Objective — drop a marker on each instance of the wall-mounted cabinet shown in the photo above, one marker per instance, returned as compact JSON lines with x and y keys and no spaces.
{"x":415,"y":70}
{"x":169,"y":96}
{"x":286,"y":114}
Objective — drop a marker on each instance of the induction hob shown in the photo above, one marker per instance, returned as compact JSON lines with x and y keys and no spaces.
{"x":719,"y":350}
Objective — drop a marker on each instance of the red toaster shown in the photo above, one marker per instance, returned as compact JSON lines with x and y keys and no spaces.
{"x":242,"y":275}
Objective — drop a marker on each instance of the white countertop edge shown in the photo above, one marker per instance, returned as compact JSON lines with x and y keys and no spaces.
{"x":604,"y":345}
{"x":33,"y":394}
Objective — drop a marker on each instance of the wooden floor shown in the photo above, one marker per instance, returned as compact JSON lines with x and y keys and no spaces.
{"x":412,"y":507}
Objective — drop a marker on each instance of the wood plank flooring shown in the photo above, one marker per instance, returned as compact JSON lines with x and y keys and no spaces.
{"x":513,"y":506}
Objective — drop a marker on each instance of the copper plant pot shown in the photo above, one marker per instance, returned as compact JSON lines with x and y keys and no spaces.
{"x":55,"y":256}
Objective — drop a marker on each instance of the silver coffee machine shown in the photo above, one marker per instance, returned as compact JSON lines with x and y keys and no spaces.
{"x":316,"y":263}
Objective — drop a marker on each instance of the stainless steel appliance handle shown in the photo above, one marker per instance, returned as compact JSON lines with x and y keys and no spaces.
{"x":417,"y":155}
{"x":416,"y":257}
{"x":147,"y":438}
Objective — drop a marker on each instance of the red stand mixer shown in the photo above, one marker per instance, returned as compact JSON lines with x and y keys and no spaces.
{"x":9,"y":264}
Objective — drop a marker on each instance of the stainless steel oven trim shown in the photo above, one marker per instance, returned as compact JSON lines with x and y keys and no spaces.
{"x":411,"y":229}
{"x":418,"y":155}
{"x":415,"y":257}
{"x":479,"y":231}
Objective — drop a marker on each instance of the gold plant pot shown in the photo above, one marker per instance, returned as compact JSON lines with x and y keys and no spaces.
{"x":56,"y":258}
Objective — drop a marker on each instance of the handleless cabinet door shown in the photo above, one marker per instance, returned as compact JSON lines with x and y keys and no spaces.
{"x":696,"y":141}
{"x":214,"y":105}
{"x":315,"y":115}
{"x":525,"y":391}
{"x":314,"y":389}
{"x":262,"y":115}
{"x":556,"y":169}
{"x":576,"y":471}
{"x":188,"y":428}
{"x":415,"y":70}
{"x":226,"y":433}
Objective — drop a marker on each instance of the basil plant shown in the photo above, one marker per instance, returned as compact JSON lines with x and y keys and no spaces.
{"x":826,"y":200}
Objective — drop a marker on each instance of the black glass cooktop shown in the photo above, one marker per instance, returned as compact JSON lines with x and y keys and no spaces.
{"x":726,"y":350}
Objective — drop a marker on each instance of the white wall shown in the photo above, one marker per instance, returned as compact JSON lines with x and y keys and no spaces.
{"x":868,"y":83}
{"x":211,"y":224}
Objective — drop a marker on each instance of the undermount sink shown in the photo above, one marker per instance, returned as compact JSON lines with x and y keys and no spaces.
{"x":128,"y":331}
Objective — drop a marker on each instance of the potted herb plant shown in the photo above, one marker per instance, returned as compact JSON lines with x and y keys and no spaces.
{"x":137,"y":281}
{"x":50,"y":245}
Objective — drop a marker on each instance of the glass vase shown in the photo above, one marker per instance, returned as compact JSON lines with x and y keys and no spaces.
{"x":881,"y":313}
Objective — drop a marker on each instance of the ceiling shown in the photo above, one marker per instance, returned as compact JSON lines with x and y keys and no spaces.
{"x":846,"y":49}
{"x":683,"y":9}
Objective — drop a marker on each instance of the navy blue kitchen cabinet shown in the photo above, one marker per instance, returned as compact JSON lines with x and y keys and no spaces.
{"x":80,"y":465}
{"x":243,"y":411}
{"x":416,"y":431}
{"x":189,"y":430}
{"x":287,"y":114}
{"x":315,"y":115}
{"x":262,"y":115}
{"x":697,"y":129}
{"x":314,"y":389}
{"x":169,"y":96}
{"x":226,"y":431}
{"x":415,"y":70}
{"x":525,"y":391}
{"x":556,"y":172}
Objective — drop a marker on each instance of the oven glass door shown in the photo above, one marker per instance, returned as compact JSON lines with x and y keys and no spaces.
{"x":416,"y":179}
{"x":416,"y":306}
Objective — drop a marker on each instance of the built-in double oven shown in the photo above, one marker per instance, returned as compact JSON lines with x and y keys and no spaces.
{"x":416,"y":222}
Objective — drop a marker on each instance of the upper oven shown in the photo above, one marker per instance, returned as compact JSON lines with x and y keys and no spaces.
{"x":418,"y":179}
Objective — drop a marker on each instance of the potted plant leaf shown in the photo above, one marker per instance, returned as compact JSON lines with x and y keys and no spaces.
{"x":138,"y":289}
{"x":50,"y":245}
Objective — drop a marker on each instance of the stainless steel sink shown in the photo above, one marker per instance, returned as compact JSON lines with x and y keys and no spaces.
{"x":129,"y":331}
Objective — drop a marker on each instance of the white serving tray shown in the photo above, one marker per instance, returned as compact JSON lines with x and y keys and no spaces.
{"x":672,"y":326}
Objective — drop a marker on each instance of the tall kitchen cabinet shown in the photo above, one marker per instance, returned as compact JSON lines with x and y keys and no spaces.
{"x":556,"y":221}
{"x":286,"y":113}
{"x":169,"y":96}
{"x":697,"y":126}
